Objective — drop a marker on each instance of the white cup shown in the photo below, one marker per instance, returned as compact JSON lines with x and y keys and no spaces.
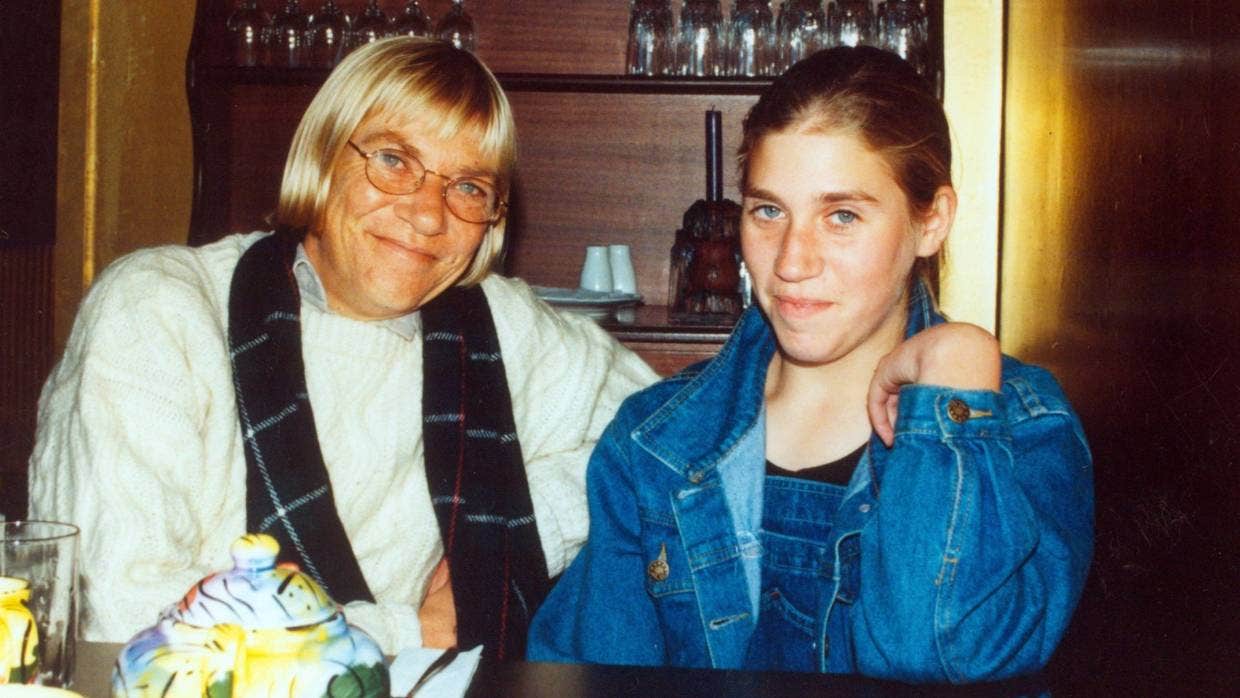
{"x":623,"y":279}
{"x":596,"y":270}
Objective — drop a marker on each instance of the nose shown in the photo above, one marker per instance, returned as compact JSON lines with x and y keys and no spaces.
{"x":425,"y":210}
{"x":800,"y":254}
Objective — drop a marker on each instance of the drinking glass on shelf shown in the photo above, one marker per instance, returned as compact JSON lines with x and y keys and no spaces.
{"x":371,"y":25}
{"x":700,"y":46}
{"x":652,"y":39}
{"x":457,"y":27}
{"x":327,"y":29}
{"x":289,"y":30}
{"x":903,"y":28}
{"x":412,"y":21}
{"x":751,"y":39}
{"x":801,"y":30}
{"x":852,"y":23}
{"x":247,"y":29}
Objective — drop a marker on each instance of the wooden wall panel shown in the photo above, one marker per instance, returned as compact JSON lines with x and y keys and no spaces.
{"x":25,"y":359}
{"x":1121,"y":273}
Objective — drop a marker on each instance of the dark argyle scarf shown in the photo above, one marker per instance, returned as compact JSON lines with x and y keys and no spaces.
{"x":473,"y":460}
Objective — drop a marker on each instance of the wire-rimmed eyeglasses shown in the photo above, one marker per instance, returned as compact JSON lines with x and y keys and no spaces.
{"x":396,"y":171}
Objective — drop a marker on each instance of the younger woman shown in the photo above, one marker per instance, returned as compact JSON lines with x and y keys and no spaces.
{"x":852,"y":484}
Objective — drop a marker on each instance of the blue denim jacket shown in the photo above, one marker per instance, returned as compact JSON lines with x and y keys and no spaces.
{"x":959,"y":553}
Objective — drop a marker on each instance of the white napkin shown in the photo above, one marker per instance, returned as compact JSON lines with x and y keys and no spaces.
{"x":452,"y":680}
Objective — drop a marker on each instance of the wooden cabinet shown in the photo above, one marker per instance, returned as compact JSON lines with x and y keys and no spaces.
{"x":603,"y":158}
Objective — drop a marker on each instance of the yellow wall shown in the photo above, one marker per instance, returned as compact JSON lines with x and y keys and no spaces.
{"x":125,"y":160}
{"x":973,"y":99}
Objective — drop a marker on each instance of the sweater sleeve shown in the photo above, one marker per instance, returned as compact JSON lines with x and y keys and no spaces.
{"x":126,"y":448}
{"x":979,"y":546}
{"x":567,"y":378}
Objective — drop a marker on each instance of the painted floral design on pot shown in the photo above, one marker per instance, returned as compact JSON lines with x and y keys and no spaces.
{"x":19,"y":636}
{"x":255,"y":630}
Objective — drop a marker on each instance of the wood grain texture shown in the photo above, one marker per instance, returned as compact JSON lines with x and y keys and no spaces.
{"x":598,"y":169}
{"x":25,"y":359}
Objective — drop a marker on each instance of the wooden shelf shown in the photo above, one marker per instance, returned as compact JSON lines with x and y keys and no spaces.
{"x":650,"y":323}
{"x":513,"y":82}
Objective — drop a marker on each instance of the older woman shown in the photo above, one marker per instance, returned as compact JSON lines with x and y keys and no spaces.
{"x":357,"y":384}
{"x":761,"y":511}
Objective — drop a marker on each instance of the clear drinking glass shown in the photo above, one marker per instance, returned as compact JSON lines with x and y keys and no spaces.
{"x":289,"y":33}
{"x":700,"y":45}
{"x":801,"y":30}
{"x":327,"y":29}
{"x":903,"y":28}
{"x":652,"y":39}
{"x":371,"y":25}
{"x":751,"y":40}
{"x":38,"y":601}
{"x":852,"y":23}
{"x":412,"y":21}
{"x":457,"y":27}
{"x":247,"y":28}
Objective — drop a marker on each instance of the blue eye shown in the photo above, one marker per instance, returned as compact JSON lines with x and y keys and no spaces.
{"x":471,"y":189}
{"x":765,"y":212}
{"x":391,"y":160}
{"x":844,"y":217}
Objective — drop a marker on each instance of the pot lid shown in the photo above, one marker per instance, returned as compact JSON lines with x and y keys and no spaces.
{"x":256,"y":593}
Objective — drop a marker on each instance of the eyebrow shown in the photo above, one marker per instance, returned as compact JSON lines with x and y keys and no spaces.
{"x":396,"y":139}
{"x":830,"y":197}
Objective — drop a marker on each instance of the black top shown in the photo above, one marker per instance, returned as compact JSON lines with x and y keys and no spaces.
{"x":837,"y":472}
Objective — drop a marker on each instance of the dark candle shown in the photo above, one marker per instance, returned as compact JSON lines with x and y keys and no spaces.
{"x":714,"y":156}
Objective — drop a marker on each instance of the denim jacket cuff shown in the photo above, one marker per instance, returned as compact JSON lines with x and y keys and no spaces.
{"x":942,"y":412}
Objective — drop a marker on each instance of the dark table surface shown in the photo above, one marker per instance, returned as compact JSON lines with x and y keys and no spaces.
{"x":528,"y":679}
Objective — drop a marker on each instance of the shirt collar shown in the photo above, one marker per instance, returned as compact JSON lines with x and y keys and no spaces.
{"x":311,"y":287}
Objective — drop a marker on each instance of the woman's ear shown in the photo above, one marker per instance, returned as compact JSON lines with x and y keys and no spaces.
{"x":937,"y":222}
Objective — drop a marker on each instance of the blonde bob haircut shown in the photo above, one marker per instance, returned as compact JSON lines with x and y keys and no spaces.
{"x":447,"y":89}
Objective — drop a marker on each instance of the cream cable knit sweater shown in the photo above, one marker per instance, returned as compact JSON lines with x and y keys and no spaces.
{"x":139,"y":445}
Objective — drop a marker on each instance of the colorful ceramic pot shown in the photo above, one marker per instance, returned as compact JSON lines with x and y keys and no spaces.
{"x":19,"y":636}
{"x":255,"y":630}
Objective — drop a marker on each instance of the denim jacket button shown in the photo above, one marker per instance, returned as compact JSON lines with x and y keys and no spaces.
{"x":658,"y":568}
{"x":958,"y":410}
{"x":696,"y":477}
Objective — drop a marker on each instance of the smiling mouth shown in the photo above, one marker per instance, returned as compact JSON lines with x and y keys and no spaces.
{"x":402,"y":248}
{"x":793,"y":307}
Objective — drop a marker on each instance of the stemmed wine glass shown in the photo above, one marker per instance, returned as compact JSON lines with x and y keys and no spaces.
{"x":457,"y":27}
{"x":412,"y":21}
{"x":289,"y":31}
{"x":801,"y":28}
{"x":370,"y":25}
{"x":750,"y":38}
{"x":852,"y":23}
{"x":700,"y":45}
{"x":328,"y":27}
{"x":652,"y":40}
{"x":247,"y":28}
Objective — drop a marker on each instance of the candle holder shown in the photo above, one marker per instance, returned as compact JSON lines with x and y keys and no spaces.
{"x":705,"y":275}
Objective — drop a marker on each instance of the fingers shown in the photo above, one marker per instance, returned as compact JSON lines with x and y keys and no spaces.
{"x":876,"y":406}
{"x":440,"y":577}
